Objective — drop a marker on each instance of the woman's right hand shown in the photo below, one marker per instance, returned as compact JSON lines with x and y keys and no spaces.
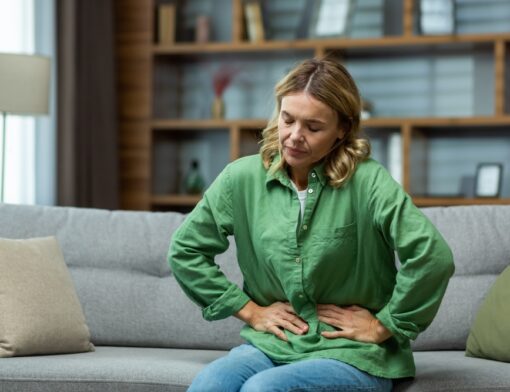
{"x":273,"y":318}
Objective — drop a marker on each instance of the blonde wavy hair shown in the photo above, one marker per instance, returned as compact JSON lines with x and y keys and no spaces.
{"x":329,"y":82}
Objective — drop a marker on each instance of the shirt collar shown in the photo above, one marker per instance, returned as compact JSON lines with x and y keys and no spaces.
{"x":282,"y":176}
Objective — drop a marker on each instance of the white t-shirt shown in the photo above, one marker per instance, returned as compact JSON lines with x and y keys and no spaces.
{"x":302,"y":198}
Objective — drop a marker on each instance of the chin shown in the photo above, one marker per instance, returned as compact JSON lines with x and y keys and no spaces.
{"x":294,"y":162}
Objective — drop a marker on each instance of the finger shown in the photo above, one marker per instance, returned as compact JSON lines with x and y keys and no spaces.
{"x":335,"y":334}
{"x":290,"y":327}
{"x":340,"y":317}
{"x":297,"y":321}
{"x":330,"y":321}
{"x":288,"y":308}
{"x":290,"y":314}
{"x":329,"y":308}
{"x":328,"y":311}
{"x":353,"y":308}
{"x":278,"y":333}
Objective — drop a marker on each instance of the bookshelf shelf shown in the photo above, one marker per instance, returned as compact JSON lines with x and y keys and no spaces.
{"x":402,"y":43}
{"x":175,"y":200}
{"x":457,"y":201}
{"x":437,"y":122}
{"x":181,"y":124}
{"x":446,"y":97}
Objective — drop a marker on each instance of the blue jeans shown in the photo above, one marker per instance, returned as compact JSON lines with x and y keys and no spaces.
{"x":247,"y":369}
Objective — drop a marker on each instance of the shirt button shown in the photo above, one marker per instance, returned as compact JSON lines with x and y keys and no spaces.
{"x":314,"y":175}
{"x":300,"y":295}
{"x":305,"y":227}
{"x":310,"y":190}
{"x":298,"y":260}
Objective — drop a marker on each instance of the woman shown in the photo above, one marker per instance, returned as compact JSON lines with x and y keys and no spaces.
{"x":317,"y":224}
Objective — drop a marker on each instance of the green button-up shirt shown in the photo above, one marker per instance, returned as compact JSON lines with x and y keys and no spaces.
{"x":341,"y":252}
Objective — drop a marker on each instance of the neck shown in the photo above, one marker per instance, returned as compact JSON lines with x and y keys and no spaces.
{"x":299,"y":178}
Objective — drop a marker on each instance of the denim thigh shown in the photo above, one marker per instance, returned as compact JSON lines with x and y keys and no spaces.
{"x":229,"y":373}
{"x":317,"y":375}
{"x":247,"y":369}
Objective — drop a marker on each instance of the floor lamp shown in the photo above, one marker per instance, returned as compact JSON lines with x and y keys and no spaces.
{"x":24,"y":90}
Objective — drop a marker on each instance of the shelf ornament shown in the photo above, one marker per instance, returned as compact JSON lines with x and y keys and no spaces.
{"x":222,"y":79}
{"x":488,"y":179}
{"x":437,"y":17}
{"x":194,"y":183}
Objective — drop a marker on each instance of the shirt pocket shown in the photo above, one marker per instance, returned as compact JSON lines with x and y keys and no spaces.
{"x":335,"y":235}
{"x":334,"y":251}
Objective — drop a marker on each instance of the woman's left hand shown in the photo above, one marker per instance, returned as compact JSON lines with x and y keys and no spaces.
{"x":353,"y":322}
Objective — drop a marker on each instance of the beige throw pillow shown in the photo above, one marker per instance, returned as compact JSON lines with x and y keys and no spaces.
{"x":39,"y":310}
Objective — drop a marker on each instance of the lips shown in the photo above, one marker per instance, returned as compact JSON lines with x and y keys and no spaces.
{"x":294,"y":151}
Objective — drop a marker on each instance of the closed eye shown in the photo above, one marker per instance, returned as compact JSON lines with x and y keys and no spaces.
{"x":287,"y":119}
{"x":313,"y":129}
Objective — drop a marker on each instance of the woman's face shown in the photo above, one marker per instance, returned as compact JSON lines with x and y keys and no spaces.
{"x":308,"y":130}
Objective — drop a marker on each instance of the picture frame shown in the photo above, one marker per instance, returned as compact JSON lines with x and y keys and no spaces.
{"x":488,"y":179}
{"x":331,"y":18}
{"x":437,"y":17}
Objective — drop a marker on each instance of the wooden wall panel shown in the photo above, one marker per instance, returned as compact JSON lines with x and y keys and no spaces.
{"x":134,"y":35}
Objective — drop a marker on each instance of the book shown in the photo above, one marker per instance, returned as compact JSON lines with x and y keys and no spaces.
{"x":166,"y":24}
{"x":254,"y":21}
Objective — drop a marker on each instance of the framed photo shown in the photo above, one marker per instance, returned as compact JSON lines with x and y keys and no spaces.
{"x":488,"y":179}
{"x":437,"y":17}
{"x":332,"y":18}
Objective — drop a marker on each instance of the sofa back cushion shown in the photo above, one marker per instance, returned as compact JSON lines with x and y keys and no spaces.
{"x":117,"y":260}
{"x":478,"y":237}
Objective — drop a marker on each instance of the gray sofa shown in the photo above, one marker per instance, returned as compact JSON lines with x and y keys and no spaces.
{"x":150,"y":337}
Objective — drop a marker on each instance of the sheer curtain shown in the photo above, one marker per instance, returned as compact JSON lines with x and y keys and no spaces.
{"x":17,"y":36}
{"x":30,"y":142}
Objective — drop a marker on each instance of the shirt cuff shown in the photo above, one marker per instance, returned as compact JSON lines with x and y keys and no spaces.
{"x":385,"y":317}
{"x":230,"y":302}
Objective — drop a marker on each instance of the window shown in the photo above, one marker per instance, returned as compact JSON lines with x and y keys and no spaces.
{"x":27,"y":181}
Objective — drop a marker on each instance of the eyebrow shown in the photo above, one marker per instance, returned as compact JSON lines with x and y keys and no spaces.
{"x":308,"y":120}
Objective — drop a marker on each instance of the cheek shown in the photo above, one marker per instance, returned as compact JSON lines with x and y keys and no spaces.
{"x":282,"y":132}
{"x":323,"y":146}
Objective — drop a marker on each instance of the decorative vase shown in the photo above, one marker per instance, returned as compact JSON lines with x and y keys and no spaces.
{"x":194,"y":182}
{"x":218,"y":108}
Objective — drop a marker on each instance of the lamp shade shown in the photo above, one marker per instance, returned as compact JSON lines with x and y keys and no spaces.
{"x":24,"y":84}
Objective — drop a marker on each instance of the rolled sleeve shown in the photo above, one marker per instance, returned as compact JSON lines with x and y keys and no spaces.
{"x":401,"y":330}
{"x":230,"y":302}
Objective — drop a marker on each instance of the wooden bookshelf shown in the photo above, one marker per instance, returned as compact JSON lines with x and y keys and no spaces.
{"x":139,"y":55}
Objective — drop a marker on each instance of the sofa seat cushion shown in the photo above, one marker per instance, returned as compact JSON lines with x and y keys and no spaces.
{"x":112,"y":369}
{"x":108,"y":369}
{"x":440,"y":371}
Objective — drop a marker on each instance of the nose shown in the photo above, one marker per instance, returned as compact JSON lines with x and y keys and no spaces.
{"x":296,"y":133}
